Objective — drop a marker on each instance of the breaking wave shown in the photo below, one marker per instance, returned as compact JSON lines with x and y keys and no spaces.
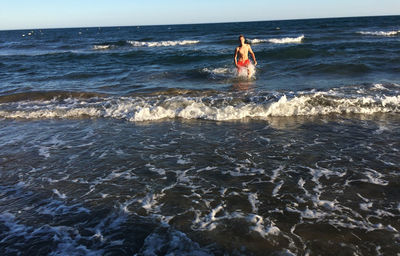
{"x":380,"y":33}
{"x":218,"y":107}
{"x":102,"y":47}
{"x":108,"y":46}
{"x":162,"y":43}
{"x":286,"y":40}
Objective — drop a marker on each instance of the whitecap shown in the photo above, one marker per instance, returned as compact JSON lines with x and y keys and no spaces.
{"x":102,"y":47}
{"x":380,"y":33}
{"x":162,"y":43}
{"x":257,"y":41}
{"x":218,"y":107}
{"x":287,"y":40}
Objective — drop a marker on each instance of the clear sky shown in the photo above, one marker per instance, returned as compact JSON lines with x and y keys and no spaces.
{"x":26,"y":14}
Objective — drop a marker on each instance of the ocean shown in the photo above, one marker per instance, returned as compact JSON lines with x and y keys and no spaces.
{"x":143,"y":140}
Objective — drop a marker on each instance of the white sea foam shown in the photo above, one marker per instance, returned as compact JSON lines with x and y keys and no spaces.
{"x":257,"y":41}
{"x":285,"y":40}
{"x":374,"y":177}
{"x":59,"y":194}
{"x":218,"y":71}
{"x":365,"y":206}
{"x":277,"y":188}
{"x":207,"y":222}
{"x":329,"y":205}
{"x":171,"y":242}
{"x":218,"y":107}
{"x":152,"y":168}
{"x":261,"y":228}
{"x":253,"y":199}
{"x":248,"y":72}
{"x":162,"y":43}
{"x":102,"y":47}
{"x":66,"y":238}
{"x":150,"y":203}
{"x":380,"y":33}
{"x":380,"y":87}
{"x":312,"y":214}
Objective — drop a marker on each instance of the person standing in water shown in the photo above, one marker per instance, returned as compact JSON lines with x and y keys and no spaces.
{"x":242,"y":61}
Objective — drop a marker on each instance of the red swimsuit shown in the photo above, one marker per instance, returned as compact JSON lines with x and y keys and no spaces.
{"x":244,"y":63}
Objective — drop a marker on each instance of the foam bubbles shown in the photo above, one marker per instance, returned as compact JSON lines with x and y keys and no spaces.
{"x":248,"y":72}
{"x":261,"y":228}
{"x":171,"y":242}
{"x":162,"y":43}
{"x":380,"y":33}
{"x":257,"y":41}
{"x":218,"y":71}
{"x":60,"y":195}
{"x":285,"y":40}
{"x":219,"y":107}
{"x":102,"y":47}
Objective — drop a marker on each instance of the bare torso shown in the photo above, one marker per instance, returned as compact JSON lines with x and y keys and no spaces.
{"x":243,"y":52}
{"x":241,"y":57}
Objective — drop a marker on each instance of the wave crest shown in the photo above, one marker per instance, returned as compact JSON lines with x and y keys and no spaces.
{"x":219,"y":107}
{"x":380,"y":33}
{"x":113,"y":45}
{"x":162,"y":43}
{"x":102,"y":47}
{"x":286,"y":40}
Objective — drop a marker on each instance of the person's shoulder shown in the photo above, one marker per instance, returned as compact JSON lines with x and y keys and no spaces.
{"x":248,"y":45}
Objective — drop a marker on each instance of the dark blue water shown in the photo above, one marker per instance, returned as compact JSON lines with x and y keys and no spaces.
{"x":123,"y":60}
{"x":145,"y":140}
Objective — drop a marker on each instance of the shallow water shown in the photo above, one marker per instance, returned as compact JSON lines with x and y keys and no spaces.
{"x":297,"y":184}
{"x":142,"y":141}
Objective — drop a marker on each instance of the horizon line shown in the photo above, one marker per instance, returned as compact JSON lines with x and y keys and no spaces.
{"x":200,"y":23}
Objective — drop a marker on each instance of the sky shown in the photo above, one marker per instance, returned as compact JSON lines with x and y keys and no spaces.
{"x":30,"y":14}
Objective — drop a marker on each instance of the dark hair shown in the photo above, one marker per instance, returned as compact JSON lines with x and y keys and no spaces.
{"x":241,"y":36}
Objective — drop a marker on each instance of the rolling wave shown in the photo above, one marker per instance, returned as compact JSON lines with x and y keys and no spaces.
{"x":102,"y":47}
{"x":47,"y":96}
{"x":286,"y":40}
{"x":380,"y":33}
{"x":218,"y":107}
{"x":108,"y":46}
{"x":162,"y":43}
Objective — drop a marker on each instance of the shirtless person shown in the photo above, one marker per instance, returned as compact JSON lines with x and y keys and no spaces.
{"x":243,"y":51}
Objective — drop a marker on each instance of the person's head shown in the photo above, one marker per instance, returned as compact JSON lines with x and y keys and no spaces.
{"x":241,"y":39}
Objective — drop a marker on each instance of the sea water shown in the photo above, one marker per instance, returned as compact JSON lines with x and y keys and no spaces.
{"x":144,"y":140}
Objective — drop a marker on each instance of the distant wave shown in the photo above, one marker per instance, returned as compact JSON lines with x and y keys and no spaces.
{"x":257,"y":41}
{"x":108,"y":46}
{"x":286,"y":40}
{"x":380,"y":33}
{"x":162,"y":43}
{"x":102,"y":47}
{"x":219,"y":106}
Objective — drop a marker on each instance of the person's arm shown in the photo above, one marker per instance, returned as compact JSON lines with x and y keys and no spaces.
{"x":252,"y":55}
{"x":236,"y":53}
